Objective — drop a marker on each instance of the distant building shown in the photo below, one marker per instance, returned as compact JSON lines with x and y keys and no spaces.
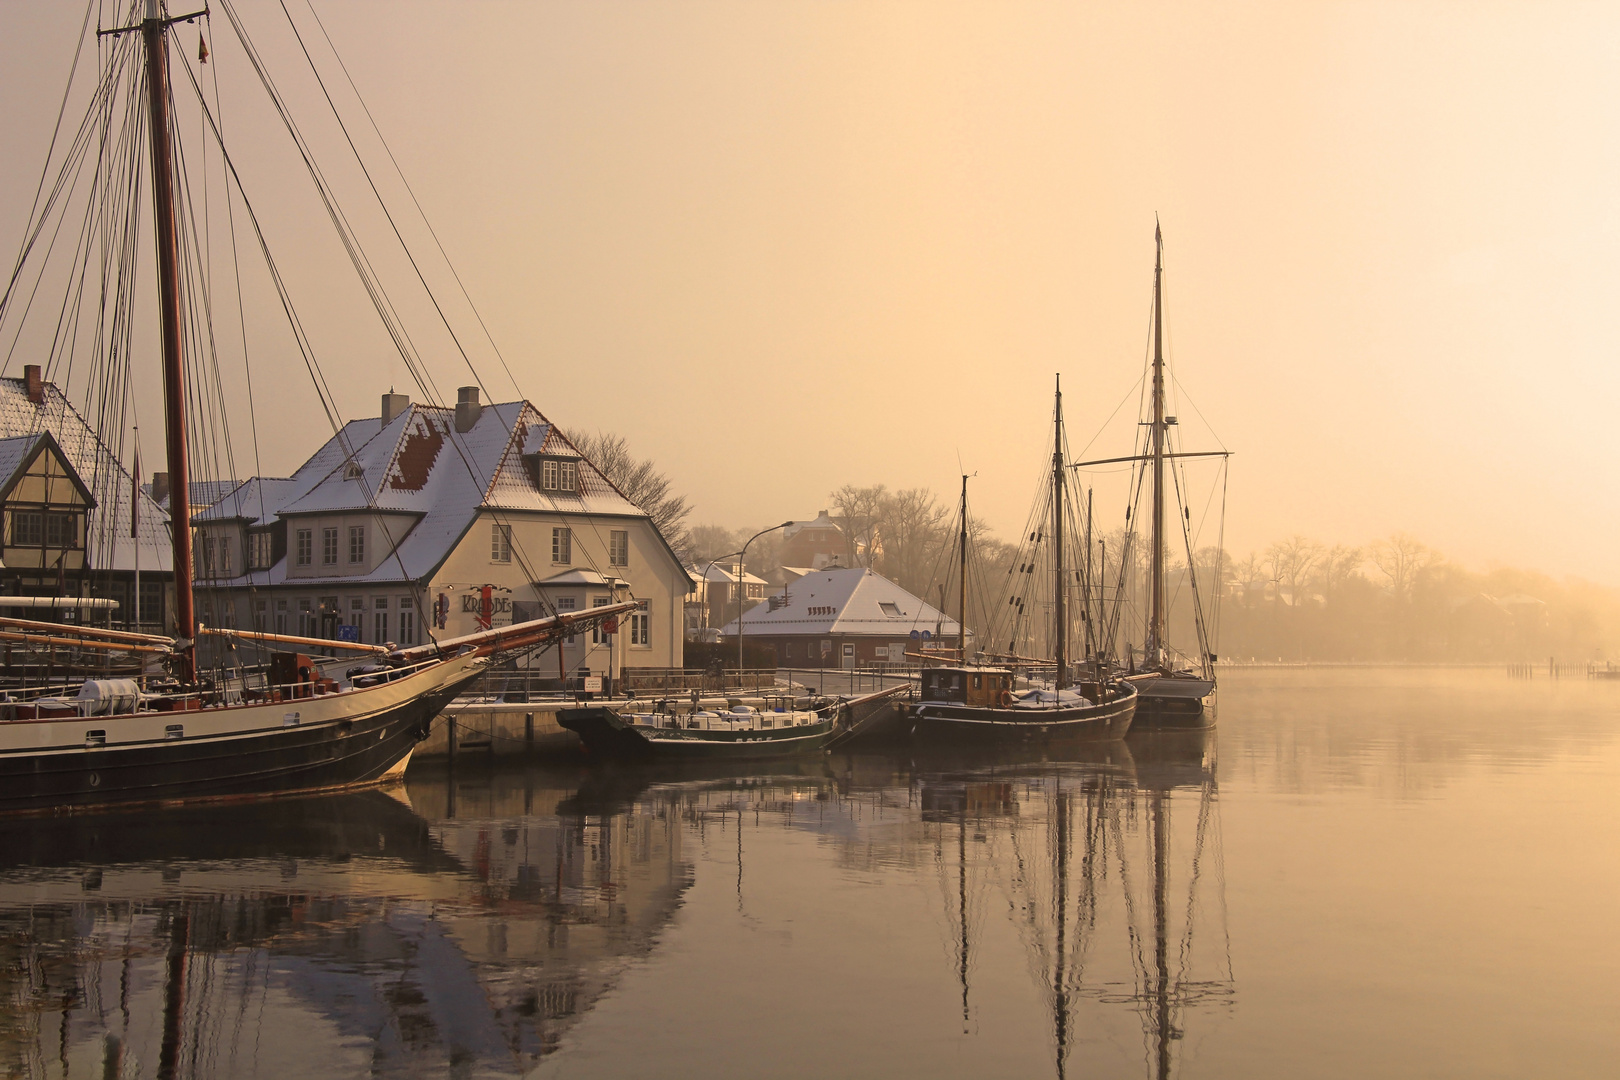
{"x":431,"y":520}
{"x":843,"y":618}
{"x":816,"y":544}
{"x":714,"y":597}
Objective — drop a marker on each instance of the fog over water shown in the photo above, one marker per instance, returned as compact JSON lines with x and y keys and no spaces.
{"x":1390,"y":239}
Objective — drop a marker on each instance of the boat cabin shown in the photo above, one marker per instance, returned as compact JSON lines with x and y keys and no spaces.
{"x":977,"y":686}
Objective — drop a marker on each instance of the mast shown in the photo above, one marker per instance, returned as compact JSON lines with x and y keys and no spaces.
{"x":961,"y":592}
{"x":153,"y":29}
{"x":1154,"y":652}
{"x":1059,"y":641}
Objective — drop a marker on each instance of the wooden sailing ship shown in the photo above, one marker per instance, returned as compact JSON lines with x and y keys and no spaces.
{"x":1173,"y":689}
{"x":982,"y":702}
{"x":180,"y":736}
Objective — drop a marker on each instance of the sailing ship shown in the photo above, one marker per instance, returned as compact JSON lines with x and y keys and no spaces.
{"x":1172,"y":689}
{"x":286,"y":728}
{"x":982,"y":702}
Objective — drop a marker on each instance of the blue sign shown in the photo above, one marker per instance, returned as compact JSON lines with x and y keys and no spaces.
{"x":348,"y":633}
{"x":927,"y":634}
{"x":916,"y":634}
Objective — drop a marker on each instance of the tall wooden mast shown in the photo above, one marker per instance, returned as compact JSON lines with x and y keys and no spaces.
{"x":1060,"y":642}
{"x":961,"y":592}
{"x":153,"y":32}
{"x":1155,"y":629}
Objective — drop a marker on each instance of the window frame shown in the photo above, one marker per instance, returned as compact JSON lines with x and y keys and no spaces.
{"x":357,"y":545}
{"x":500,"y":542}
{"x":562,"y":546}
{"x":304,"y":547}
{"x":619,"y":547}
{"x":329,"y":545}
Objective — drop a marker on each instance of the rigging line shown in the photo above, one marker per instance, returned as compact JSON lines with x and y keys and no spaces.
{"x":368,"y":279}
{"x":241,"y":315}
{"x":45,"y":170}
{"x":411,"y":192}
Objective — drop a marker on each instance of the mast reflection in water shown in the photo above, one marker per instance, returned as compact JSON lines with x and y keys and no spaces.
{"x":337,"y":936}
{"x":1109,"y":868}
{"x":777,"y":922}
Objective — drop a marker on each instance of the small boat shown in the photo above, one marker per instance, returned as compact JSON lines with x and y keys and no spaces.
{"x":973,"y":702}
{"x":735,"y":733}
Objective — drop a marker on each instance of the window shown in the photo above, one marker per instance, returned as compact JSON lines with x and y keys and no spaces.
{"x":619,"y":547}
{"x":380,"y":620}
{"x":567,"y":603}
{"x":27,"y":528}
{"x":756,"y":590}
{"x":260,"y":549}
{"x":261,"y":615}
{"x":500,"y":543}
{"x":357,"y":543}
{"x":640,"y":629}
{"x":222,"y":557}
{"x":407,"y":620}
{"x":562,"y":546}
{"x":328,"y":547}
{"x":891,"y":610}
{"x":61,"y":531}
{"x":281,"y":616}
{"x":556,"y":474}
{"x":599,"y":636}
{"x":305,"y":547}
{"x":306,"y":618}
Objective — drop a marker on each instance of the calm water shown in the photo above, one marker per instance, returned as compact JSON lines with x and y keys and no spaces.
{"x":1360,"y":873}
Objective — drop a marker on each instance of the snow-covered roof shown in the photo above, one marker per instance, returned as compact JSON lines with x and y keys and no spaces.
{"x":420,"y":465}
{"x":108,"y":542}
{"x":717,"y":574}
{"x":844,"y":601}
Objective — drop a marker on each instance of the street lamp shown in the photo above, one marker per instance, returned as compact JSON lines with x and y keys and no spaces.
{"x":706,"y":569}
{"x":742,"y":589}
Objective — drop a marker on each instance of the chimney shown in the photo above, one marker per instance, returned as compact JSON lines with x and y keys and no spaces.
{"x":392,"y":405}
{"x":467,"y":408}
{"x":36,"y":388}
{"x":160,"y":487}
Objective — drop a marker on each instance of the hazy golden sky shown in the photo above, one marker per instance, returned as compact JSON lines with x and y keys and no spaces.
{"x":783,"y":246}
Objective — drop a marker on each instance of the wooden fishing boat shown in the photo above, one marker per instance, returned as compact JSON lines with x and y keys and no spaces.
{"x":1172,"y":688}
{"x":974,"y":702}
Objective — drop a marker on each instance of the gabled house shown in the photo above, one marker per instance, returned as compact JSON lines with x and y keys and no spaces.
{"x":438,"y":521}
{"x":71,"y":476}
{"x":842,"y":618}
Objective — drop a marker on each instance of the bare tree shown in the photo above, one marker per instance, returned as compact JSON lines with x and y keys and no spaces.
{"x":1291,"y":563}
{"x":705,"y":542}
{"x":912,"y":535}
{"x":1401,"y":558}
{"x":1338,"y":565}
{"x":860,"y":510}
{"x":640,"y":481}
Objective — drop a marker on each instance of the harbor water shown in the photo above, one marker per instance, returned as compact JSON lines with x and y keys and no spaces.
{"x":1359,"y":871}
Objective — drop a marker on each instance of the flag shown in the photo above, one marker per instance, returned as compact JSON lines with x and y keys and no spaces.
{"x":202,"y":50}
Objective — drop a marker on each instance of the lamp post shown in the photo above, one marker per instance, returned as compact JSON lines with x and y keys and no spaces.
{"x":706,"y":570}
{"x":742,"y":590}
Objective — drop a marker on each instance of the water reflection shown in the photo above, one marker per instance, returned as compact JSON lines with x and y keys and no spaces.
{"x":468,"y":930}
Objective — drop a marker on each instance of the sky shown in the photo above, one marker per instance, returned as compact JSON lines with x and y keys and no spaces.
{"x":789,"y":246}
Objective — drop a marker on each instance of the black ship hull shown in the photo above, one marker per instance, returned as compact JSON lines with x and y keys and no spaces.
{"x":331,"y":742}
{"x":1172,"y":703}
{"x":944,"y":723}
{"x":606,"y":734}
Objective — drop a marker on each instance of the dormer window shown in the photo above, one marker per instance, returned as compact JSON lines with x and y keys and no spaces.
{"x":353,"y":471}
{"x":554,"y":474}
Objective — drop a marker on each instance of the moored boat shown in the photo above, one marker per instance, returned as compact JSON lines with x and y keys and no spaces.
{"x":735,"y":733}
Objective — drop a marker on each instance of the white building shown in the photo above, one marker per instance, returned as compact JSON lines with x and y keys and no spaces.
{"x":433,"y":521}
